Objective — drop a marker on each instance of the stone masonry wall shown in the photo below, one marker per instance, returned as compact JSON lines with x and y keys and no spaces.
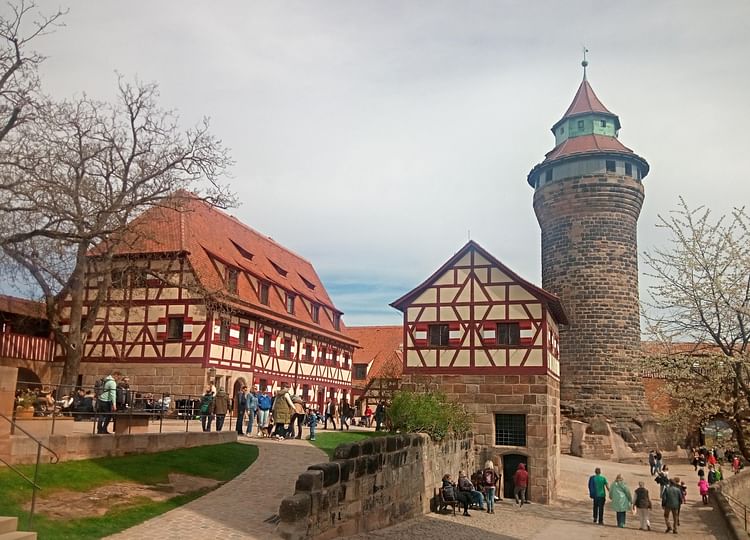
{"x":18,"y":449}
{"x":183,"y":379}
{"x":371,"y":484}
{"x":590,"y":260}
{"x":483,"y":396}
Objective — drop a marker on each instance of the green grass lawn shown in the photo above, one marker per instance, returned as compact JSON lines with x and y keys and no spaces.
{"x":329,"y":440}
{"x":219,"y":462}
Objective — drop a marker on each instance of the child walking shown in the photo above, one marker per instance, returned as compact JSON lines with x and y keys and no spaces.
{"x":703,"y":489}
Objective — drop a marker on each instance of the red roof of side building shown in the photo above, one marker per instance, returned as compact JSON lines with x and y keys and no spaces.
{"x":206,"y":234}
{"x":22,"y":307}
{"x":381,"y":347}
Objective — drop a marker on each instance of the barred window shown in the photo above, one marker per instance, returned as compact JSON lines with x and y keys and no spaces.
{"x":510,"y":429}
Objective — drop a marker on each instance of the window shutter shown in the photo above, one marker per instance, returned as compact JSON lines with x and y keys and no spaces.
{"x":527,"y":332}
{"x":259,"y":343}
{"x":489,"y":333}
{"x":454,"y":333}
{"x":161,"y":328}
{"x":234,"y":334}
{"x":187,"y":328}
{"x":421,"y":334}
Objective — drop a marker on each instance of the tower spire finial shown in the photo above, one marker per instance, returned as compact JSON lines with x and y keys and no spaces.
{"x":585,"y":62}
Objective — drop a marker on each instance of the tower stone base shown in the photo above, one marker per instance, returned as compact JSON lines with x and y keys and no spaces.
{"x":485,"y":396}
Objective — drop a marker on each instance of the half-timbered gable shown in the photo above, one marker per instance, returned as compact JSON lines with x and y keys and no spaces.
{"x":488,"y":339}
{"x":474,"y":314}
{"x":193,"y":285}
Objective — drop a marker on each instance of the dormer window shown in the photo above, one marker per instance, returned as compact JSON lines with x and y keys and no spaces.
{"x":245,"y":253}
{"x":310,"y":285}
{"x":604,"y":123}
{"x":580,"y":124}
{"x":263,"y":293}
{"x":337,"y":321}
{"x":315,"y":312}
{"x":289,"y":303}
{"x":231,"y":277}
{"x":628,"y":169}
{"x":278,"y":268}
{"x":611,"y":166}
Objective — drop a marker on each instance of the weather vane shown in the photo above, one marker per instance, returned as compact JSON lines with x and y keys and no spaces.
{"x":585,"y":62}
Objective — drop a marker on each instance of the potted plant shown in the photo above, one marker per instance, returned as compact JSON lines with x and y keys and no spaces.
{"x":25,"y":404}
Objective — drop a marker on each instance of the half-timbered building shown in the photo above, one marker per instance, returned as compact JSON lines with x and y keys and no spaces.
{"x":25,"y":340}
{"x":197,"y":294}
{"x":487,"y":338}
{"x":376,"y":373}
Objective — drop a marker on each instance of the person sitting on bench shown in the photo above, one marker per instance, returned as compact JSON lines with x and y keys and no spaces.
{"x":465,"y":486}
{"x":451,"y":493}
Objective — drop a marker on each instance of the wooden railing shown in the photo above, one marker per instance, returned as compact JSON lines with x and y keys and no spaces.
{"x":22,"y":347}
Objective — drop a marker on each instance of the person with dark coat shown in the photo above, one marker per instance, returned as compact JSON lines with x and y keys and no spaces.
{"x":520,"y":483}
{"x":452,"y":493}
{"x":642,"y":506}
{"x":221,"y":406}
{"x":240,"y":407}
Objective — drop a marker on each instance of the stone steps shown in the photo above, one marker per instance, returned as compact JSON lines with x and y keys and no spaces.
{"x":9,"y":530}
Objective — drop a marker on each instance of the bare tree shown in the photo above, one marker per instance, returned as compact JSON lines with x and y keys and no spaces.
{"x":702,"y":298}
{"x":77,"y":176}
{"x":19,"y":83}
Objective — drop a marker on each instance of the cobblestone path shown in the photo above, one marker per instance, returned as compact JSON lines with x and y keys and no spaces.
{"x":243,"y":508}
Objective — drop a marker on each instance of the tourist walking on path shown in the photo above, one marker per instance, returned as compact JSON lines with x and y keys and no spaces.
{"x":520,"y":483}
{"x":490,"y":478}
{"x":207,"y":410}
{"x":106,"y":402}
{"x":598,"y":488}
{"x":652,"y":461}
{"x":240,"y":407}
{"x":262,"y":403}
{"x":298,"y":417}
{"x":282,"y":411}
{"x":379,"y":415}
{"x":330,"y":413}
{"x":221,"y":406}
{"x":622,"y":500}
{"x":703,"y":490}
{"x":671,"y":500}
{"x":312,"y":422}
{"x":662,"y":478}
{"x":658,"y":458}
{"x":642,"y":507}
{"x":345,"y":412}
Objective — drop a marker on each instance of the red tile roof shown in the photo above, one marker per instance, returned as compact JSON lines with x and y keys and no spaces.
{"x":23,"y":307}
{"x":381,"y":347}
{"x":189,"y":225}
{"x":585,"y":144}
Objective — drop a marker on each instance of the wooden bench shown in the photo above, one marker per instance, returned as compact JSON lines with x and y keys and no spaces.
{"x":444,"y":503}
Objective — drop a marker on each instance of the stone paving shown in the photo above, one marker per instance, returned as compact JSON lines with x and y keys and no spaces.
{"x":570,"y":517}
{"x":243,"y":508}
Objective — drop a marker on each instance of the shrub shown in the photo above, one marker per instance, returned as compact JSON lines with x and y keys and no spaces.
{"x":429,"y":413}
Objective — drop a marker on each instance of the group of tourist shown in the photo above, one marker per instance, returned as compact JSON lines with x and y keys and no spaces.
{"x":283,"y":415}
{"x":622,"y":500}
{"x":481,"y":489}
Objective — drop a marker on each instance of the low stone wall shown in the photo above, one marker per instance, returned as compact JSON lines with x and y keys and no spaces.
{"x":737,"y":487}
{"x":372,"y":484}
{"x":19,"y":449}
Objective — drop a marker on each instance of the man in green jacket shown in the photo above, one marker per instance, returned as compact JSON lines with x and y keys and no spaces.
{"x":598,"y":488}
{"x":107,"y":402}
{"x":671,"y":500}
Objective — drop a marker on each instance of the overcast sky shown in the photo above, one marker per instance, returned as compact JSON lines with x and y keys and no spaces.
{"x":371,"y":137}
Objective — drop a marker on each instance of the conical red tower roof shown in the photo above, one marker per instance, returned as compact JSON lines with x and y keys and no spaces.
{"x":586,"y":102}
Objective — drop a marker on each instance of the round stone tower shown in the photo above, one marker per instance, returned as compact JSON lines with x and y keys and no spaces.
{"x":588,"y":195}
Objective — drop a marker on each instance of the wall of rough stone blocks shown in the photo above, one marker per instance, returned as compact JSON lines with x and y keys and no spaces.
{"x":19,"y":449}
{"x":371,"y":484}
{"x":590,"y":260}
{"x":183,"y":379}
{"x":483,"y":396}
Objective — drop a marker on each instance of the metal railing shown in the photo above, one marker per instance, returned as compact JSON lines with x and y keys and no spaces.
{"x":34,"y":483}
{"x":737,"y":504}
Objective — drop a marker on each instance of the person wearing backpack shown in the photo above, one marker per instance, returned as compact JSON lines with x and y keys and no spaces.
{"x":490,"y":479}
{"x":207,"y":410}
{"x":106,"y":401}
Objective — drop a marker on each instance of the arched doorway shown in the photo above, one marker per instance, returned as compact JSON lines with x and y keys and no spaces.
{"x":27,"y":380}
{"x":510,"y":465}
